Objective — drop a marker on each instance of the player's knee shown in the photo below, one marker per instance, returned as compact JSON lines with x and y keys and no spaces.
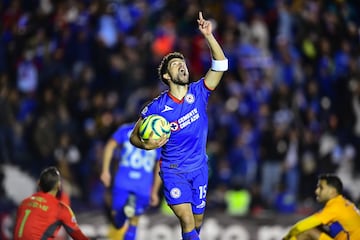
{"x":187,"y":220}
{"x":302,"y":236}
{"x":309,"y":235}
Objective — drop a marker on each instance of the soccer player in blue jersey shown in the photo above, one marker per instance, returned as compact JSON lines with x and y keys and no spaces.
{"x":131,"y":186}
{"x":183,"y":164}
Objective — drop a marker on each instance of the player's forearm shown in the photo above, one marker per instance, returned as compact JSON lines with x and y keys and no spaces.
{"x":215,"y":48}
{"x":108,"y":153}
{"x":135,"y":138}
{"x":303,"y":225}
{"x":106,"y":162}
{"x":137,"y":141}
{"x":157,"y":180}
{"x":77,"y":234}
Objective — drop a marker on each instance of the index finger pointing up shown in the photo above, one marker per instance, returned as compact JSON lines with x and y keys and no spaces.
{"x":200,"y":16}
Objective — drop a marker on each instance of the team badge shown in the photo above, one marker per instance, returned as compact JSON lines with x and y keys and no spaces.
{"x":175,"y":193}
{"x":189,"y":98}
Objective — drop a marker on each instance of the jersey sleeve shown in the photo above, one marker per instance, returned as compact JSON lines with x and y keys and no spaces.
{"x":200,"y":87}
{"x":67,"y":217}
{"x":151,"y":108}
{"x":326,"y":215}
{"x":303,"y":225}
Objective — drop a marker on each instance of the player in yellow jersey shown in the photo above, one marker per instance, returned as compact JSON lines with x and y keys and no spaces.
{"x":339,"y":219}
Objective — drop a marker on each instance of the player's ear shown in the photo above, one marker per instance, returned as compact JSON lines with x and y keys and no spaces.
{"x":333,"y":191}
{"x":166,"y":76}
{"x":58,"y":186}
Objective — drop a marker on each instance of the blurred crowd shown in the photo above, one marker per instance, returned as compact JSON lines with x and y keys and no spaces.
{"x":288,"y":108}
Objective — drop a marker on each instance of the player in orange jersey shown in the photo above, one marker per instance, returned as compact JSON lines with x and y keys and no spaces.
{"x":41,"y":215}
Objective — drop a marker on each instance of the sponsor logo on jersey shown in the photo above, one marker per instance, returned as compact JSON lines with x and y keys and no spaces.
{"x":175,"y":192}
{"x":167,"y":108}
{"x":188,"y":118}
{"x":185,"y":120}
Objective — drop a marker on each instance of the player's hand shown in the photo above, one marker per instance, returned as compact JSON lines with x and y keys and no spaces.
{"x":287,"y":237}
{"x":205,"y":26}
{"x":105,"y":178}
{"x":152,"y":143}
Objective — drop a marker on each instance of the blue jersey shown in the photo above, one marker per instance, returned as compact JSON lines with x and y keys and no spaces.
{"x":136,"y":166}
{"x":186,"y":149}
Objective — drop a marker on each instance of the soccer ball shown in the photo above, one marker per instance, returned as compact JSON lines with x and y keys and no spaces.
{"x":156,"y":124}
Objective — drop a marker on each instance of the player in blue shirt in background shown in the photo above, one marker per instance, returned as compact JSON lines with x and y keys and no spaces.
{"x":183,"y":164}
{"x":132,"y":184}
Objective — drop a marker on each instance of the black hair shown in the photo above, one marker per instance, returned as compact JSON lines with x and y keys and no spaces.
{"x":49,"y":178}
{"x":332,"y":180}
{"x":163,"y":67}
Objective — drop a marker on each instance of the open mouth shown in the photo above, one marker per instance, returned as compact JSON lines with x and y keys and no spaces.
{"x":182,"y":71}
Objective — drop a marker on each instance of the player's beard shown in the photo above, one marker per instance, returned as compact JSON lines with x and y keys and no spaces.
{"x":182,"y":78}
{"x":320,"y":199}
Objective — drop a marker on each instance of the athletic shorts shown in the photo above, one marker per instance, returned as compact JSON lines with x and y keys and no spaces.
{"x":120,"y":196}
{"x":186,"y":188}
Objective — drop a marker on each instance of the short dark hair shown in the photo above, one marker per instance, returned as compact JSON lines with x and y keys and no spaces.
{"x":164,"y":64}
{"x":332,"y":180}
{"x":49,"y":178}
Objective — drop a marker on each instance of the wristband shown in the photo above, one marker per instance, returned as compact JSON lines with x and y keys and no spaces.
{"x":219,"y":65}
